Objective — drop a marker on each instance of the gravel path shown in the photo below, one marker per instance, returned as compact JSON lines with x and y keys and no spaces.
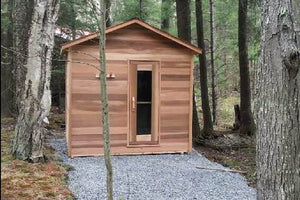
{"x":155,"y":177}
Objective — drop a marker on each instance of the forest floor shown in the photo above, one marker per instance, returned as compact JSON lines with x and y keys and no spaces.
{"x":242,"y":159}
{"x":23,"y":180}
{"x":238,"y":158}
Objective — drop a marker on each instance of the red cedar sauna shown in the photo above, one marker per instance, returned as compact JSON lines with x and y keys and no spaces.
{"x":150,"y":90}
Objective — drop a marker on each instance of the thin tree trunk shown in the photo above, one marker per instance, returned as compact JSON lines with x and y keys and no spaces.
{"x":277,"y":95}
{"x":104,"y":101}
{"x":212,"y":62}
{"x":140,"y":9}
{"x":35,"y":39}
{"x":237,"y":117}
{"x":208,"y":125}
{"x":165,"y":14}
{"x":73,"y":22}
{"x":107,"y":13}
{"x":196,"y":132}
{"x":247,"y":123}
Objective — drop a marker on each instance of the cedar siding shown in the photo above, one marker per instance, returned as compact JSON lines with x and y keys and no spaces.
{"x":83,"y":106}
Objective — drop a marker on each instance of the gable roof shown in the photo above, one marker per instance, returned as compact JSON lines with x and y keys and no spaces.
{"x":195,"y":49}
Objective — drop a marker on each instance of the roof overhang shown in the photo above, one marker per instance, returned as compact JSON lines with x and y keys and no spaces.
{"x":193,"y":48}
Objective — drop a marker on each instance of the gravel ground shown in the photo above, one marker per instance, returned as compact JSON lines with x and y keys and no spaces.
{"x":141,"y":177}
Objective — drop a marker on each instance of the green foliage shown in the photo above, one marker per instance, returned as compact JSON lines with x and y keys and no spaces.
{"x":77,"y":15}
{"x":226,"y":111}
{"x":226,"y":40}
{"x":123,"y":10}
{"x":57,"y":71}
{"x":5,"y":21}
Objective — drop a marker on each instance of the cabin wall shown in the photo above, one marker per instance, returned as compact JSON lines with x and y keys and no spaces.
{"x":84,"y":109}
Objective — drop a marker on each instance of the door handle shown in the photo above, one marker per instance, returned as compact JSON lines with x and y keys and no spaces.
{"x":133,"y":104}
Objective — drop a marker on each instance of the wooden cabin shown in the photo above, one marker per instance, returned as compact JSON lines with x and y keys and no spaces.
{"x":150,"y":91}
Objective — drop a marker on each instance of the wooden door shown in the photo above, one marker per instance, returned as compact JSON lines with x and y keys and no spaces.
{"x":144,"y":102}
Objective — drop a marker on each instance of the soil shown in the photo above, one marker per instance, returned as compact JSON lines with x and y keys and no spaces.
{"x":233,"y":151}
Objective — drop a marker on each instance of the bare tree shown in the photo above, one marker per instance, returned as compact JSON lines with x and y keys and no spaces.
{"x":34,"y":29}
{"x":104,"y":100}
{"x":208,"y":125}
{"x":277,"y":102}
{"x":212,"y":62}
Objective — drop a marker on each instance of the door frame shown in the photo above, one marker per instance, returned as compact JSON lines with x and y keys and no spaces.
{"x":129,"y":106}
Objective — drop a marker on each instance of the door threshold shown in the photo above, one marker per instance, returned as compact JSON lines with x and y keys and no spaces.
{"x":142,"y":145}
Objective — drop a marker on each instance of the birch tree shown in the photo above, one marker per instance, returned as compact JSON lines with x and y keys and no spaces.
{"x":277,"y":90}
{"x":34,"y":37}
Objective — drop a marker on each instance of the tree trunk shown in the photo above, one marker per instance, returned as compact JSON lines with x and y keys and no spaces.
{"x":184,"y":32}
{"x":277,"y":104}
{"x":196,"y":132}
{"x":208,"y":125}
{"x":140,"y":9}
{"x":165,"y":14}
{"x":104,"y":102}
{"x":247,"y":123}
{"x":183,"y":19}
{"x":237,"y":118}
{"x":73,"y":21}
{"x":212,"y":63}
{"x":35,"y":39}
{"x":107,"y":13}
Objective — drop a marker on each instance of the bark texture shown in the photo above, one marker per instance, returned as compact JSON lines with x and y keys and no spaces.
{"x":212,"y":62}
{"x":107,"y":13}
{"x":196,"y":131}
{"x":278,"y":102}
{"x":104,"y":101}
{"x":183,"y":19}
{"x":207,"y":121}
{"x":247,"y":123}
{"x":35,"y":39}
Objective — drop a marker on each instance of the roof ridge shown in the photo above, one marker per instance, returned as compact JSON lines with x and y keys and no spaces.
{"x":127,"y":23}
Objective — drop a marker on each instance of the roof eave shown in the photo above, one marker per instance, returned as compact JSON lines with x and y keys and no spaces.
{"x":193,"y":48}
